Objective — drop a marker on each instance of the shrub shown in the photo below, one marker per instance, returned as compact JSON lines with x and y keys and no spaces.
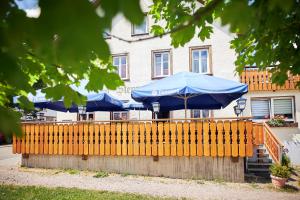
{"x":280,"y":171}
{"x":276,"y":122}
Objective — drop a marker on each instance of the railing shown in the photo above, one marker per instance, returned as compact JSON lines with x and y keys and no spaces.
{"x":201,"y":137}
{"x":262,"y":81}
{"x":273,"y":144}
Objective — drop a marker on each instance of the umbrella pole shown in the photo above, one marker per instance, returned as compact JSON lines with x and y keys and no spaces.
{"x":185,"y":106}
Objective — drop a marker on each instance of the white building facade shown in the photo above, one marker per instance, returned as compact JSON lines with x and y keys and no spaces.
{"x":140,"y":62}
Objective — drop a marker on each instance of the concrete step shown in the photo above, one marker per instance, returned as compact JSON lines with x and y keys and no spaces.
{"x":258,"y":170}
{"x":259,"y":164}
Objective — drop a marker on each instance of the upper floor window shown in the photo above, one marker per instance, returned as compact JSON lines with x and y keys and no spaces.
{"x":121,"y":62}
{"x":140,"y":29}
{"x":161,"y":64}
{"x":199,"y":62}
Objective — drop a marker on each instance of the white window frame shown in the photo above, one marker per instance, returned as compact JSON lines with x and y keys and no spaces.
{"x":87,"y":116}
{"x":271,"y":106}
{"x":201,"y":113}
{"x":119,"y":70}
{"x":293,"y":108}
{"x":207,"y":49}
{"x":134,"y":26}
{"x":161,"y":64}
{"x":127,"y":112}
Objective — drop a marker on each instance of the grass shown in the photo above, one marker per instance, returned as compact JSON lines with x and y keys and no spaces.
{"x":101,"y":174}
{"x":10,"y":192}
{"x":72,"y":171}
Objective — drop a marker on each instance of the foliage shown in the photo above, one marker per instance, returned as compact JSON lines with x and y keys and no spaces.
{"x":280,"y":171}
{"x":267,"y":32}
{"x":276,"y":122}
{"x":10,"y":192}
{"x":101,"y":174}
{"x":59,"y":48}
{"x":286,"y":161}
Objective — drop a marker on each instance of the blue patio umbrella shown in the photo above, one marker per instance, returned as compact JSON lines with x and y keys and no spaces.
{"x":133,"y":105}
{"x":187,"y":90}
{"x":101,"y":101}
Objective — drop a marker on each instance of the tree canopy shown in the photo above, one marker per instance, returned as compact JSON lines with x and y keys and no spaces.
{"x":65,"y":44}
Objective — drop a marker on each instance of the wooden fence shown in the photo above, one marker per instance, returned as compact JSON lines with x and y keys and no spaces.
{"x":273,"y":144}
{"x":189,"y":138}
{"x":262,"y":81}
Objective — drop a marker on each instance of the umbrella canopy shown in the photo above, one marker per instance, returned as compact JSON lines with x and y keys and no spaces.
{"x":101,"y":101}
{"x":187,"y":90}
{"x":133,"y":105}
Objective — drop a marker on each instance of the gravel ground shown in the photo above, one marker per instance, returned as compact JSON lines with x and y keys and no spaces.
{"x":10,"y":173}
{"x":195,"y":189}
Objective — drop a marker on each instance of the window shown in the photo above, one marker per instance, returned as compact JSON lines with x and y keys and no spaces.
{"x":87,"y":116}
{"x":161,"y":64}
{"x":200,"y":60}
{"x":266,"y":108}
{"x":122,"y":66}
{"x":200,"y":113}
{"x":120,"y":115}
{"x":140,"y":29}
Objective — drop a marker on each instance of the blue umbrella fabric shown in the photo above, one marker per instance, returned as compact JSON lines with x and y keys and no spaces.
{"x":187,"y":90}
{"x":133,"y":105}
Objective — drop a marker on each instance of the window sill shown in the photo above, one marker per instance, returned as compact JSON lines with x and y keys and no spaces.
{"x":159,"y":77}
{"x":139,"y":34}
{"x":125,"y":79}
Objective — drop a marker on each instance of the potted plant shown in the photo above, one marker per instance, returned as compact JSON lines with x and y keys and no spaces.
{"x":279,"y":175}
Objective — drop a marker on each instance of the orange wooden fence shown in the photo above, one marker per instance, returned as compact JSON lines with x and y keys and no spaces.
{"x":188,"y":138}
{"x":273,"y":144}
{"x":262,"y":81}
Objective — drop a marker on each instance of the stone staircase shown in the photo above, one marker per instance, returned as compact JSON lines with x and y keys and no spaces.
{"x":258,"y":165}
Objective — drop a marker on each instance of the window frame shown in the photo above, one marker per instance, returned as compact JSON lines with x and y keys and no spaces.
{"x":120,"y":112}
{"x":210,"y":113}
{"x":147,"y":28}
{"x":127,"y":65}
{"x":271,"y":106}
{"x":209,"y":57}
{"x":153,"y":52}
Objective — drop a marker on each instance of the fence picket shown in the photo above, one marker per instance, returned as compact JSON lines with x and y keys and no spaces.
{"x":75,"y":141}
{"x":36,"y":139}
{"x":60,"y":139}
{"x":242,"y":148}
{"x":186,"y":146}
{"x":154,"y":138}
{"x":119,"y":143}
{"x":55,"y":139}
{"x":107,"y":139}
{"x":91,"y":139}
{"x":124,"y":139}
{"x":130,"y":133}
{"x":70,"y":139}
{"x":199,"y":139}
{"x":167,"y":139}
{"x":249,"y":145}
{"x":227,"y":138}
{"x":66,"y":137}
{"x":206,"y":138}
{"x":160,"y":139}
{"x":179,"y":139}
{"x":136,"y":139}
{"x":142,"y":139}
{"x":80,"y":140}
{"x":148,"y":139}
{"x":46,"y":139}
{"x":220,"y":138}
{"x":96,"y":142}
{"x":113,"y":139}
{"x":213,"y":137}
{"x":23,"y":141}
{"x":235,"y":151}
{"x":27,"y":146}
{"x":41,"y":143}
{"x":193,"y":150}
{"x":85,"y":139}
{"x":50,"y":139}
{"x":173,"y":139}
{"x":102,"y":142}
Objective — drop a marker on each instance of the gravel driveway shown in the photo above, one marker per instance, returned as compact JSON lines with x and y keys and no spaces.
{"x":11,"y":173}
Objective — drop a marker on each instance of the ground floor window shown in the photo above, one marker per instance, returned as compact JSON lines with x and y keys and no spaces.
{"x":200,"y":113}
{"x":120,"y":115}
{"x":266,"y":108}
{"x":87,"y":116}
